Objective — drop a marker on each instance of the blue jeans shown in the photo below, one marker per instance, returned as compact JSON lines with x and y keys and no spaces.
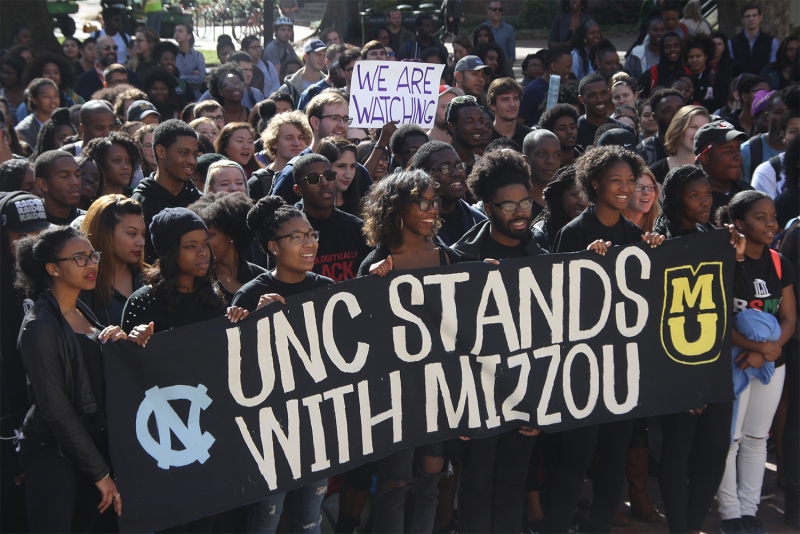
{"x":303,"y":504}
{"x":154,"y":21}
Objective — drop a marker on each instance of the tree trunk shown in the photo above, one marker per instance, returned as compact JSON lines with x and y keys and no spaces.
{"x":775,"y":13}
{"x":343,"y":15}
{"x":32,"y":13}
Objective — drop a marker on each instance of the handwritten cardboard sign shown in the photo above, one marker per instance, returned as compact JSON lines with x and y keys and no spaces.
{"x":385,"y":91}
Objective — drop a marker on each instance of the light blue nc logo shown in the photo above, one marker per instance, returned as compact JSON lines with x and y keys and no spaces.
{"x":195,"y":442}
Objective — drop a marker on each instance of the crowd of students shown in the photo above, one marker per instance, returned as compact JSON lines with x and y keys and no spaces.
{"x":142,"y":192}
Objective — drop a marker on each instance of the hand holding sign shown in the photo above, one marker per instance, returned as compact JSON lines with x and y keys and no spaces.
{"x":388,"y":91}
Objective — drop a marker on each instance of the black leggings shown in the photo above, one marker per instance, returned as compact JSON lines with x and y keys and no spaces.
{"x":693,"y":455}
{"x":58,"y":497}
{"x":491,"y":497}
{"x":578,"y":446}
{"x":791,"y":435}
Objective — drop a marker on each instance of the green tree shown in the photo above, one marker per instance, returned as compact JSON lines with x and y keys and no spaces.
{"x":32,"y":13}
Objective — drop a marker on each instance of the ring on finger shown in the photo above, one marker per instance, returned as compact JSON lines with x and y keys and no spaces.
{"x":117,"y":495}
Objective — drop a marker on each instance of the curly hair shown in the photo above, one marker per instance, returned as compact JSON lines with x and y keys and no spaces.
{"x":34,"y":252}
{"x":267,"y":217}
{"x":398,"y":139}
{"x":12,"y":174}
{"x":595,"y":163}
{"x":482,"y":50}
{"x":382,"y":210}
{"x":553,"y":214}
{"x":130,"y":94}
{"x":270,"y":135}
{"x":496,"y":170}
{"x":34,"y":70}
{"x":46,"y":140}
{"x":670,"y":221}
{"x":173,"y":103}
{"x":214,"y":79}
{"x":99,"y":223}
{"x":97,"y":149}
{"x":227,"y":213}
{"x":700,"y":42}
{"x":550,"y":117}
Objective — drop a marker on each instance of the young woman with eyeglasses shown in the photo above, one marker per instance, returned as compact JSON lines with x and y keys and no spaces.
{"x":65,"y":451}
{"x":643,"y":207}
{"x":401,"y":218}
{"x":291,"y":243}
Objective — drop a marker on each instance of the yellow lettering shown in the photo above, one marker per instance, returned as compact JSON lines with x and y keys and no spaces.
{"x":703,"y":344}
{"x":702,"y":289}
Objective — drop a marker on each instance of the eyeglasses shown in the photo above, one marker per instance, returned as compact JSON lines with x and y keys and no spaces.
{"x":233,"y":85}
{"x":639,"y":188}
{"x":498,"y":9}
{"x":83,"y":260}
{"x":255,"y":45}
{"x":315,"y":177}
{"x":107,"y":48}
{"x":446,"y":168}
{"x":427,"y":204}
{"x":465,"y":99}
{"x":348,"y":70}
{"x":338,"y":118}
{"x":300,"y":237}
{"x":510,"y":207}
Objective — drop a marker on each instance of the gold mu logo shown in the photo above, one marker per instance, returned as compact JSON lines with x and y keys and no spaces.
{"x":694,"y":318}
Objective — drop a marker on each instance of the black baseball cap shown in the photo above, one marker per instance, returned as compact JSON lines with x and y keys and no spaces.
{"x":23,"y":213}
{"x":141,"y":109}
{"x":715,"y":132}
{"x":618,"y":136}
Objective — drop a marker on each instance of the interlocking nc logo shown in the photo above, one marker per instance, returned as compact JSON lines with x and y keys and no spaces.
{"x":195,"y":443}
{"x":695,"y":314}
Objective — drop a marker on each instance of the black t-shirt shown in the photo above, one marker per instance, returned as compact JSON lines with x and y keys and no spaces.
{"x":719,"y":199}
{"x":260,"y":184}
{"x":342,"y":247}
{"x":519,"y":134}
{"x":660,"y":169}
{"x":498,"y":251}
{"x":247,"y":297}
{"x":757,"y":286}
{"x":74,"y":213}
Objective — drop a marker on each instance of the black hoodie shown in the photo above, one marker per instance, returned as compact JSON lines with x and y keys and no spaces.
{"x":154,"y":198}
{"x":473,"y":245}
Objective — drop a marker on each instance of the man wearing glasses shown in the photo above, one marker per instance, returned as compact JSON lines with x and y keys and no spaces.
{"x":112,"y":27}
{"x":443,"y":164}
{"x":328,"y":115}
{"x":94,"y":79}
{"x":503,"y":33}
{"x":342,"y":247}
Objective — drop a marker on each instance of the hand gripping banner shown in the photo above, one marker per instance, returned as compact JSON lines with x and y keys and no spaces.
{"x":216,"y":415}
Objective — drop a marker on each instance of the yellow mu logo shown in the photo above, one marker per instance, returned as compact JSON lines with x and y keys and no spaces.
{"x":694,"y":318}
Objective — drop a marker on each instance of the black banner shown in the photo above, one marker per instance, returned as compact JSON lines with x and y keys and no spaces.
{"x":216,"y":415}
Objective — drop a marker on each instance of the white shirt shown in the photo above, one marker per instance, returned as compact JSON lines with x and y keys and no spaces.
{"x":764,"y":179}
{"x":122,"y":48}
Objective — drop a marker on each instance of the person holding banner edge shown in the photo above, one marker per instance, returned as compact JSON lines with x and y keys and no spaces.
{"x":291,"y":243}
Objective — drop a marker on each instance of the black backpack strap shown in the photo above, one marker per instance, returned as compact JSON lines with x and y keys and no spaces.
{"x":777,"y":165}
{"x":756,"y":154}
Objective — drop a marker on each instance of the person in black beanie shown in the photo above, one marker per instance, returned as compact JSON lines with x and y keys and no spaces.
{"x":200,"y":174}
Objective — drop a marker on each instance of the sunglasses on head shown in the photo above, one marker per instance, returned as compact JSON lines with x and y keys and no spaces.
{"x":314,"y":178}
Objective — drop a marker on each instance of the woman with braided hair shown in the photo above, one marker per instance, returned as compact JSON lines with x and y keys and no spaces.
{"x":563,"y":203}
{"x":686,"y":208}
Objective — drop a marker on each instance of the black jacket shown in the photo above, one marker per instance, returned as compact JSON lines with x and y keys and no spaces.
{"x":586,"y":228}
{"x":59,"y":384}
{"x":154,"y":198}
{"x":469,"y":246}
